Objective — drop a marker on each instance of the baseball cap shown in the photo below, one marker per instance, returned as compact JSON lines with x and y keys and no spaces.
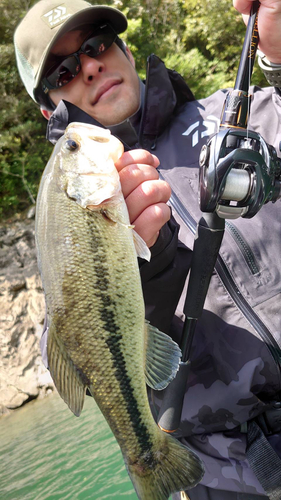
{"x":44,"y":24}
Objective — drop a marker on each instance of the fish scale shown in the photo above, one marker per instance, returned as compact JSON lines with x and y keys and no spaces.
{"x":97,"y":331}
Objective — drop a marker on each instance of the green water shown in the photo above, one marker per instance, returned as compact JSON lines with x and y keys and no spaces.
{"x":48,"y":453}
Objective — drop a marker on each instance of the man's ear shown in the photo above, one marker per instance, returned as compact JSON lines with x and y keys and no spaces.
{"x":130,"y":56}
{"x":47,"y":114}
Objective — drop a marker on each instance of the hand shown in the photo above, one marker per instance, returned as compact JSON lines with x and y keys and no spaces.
{"x":269,"y":25}
{"x":145,"y":195}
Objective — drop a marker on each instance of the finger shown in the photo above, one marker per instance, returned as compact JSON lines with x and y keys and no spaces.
{"x":135,"y":174}
{"x":269,"y":25}
{"x":137,"y":156}
{"x":149,"y":223}
{"x":243,"y":6}
{"x":146,"y":194}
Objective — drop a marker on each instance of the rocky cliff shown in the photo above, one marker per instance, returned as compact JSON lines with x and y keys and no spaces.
{"x":22,"y":374}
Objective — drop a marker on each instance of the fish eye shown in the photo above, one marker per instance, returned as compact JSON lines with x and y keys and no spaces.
{"x":72,"y":145}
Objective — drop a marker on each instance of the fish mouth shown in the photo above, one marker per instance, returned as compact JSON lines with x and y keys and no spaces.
{"x":105,"y":88}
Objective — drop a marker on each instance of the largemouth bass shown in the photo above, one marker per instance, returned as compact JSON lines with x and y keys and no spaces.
{"x":98,"y":337}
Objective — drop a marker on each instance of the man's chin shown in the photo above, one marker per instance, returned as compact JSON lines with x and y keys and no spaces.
{"x":111,"y":113}
{"x":107,"y":118}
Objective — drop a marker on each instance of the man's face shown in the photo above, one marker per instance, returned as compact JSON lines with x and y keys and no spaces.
{"x":107,"y":87}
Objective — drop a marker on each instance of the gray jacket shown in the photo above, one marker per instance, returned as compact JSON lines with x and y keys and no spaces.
{"x":234,"y":369}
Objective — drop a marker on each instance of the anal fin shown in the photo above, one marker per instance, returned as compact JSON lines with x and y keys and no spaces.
{"x":65,"y":375}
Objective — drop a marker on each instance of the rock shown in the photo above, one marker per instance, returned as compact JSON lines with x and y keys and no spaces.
{"x":23,"y":376}
{"x":31,"y":212}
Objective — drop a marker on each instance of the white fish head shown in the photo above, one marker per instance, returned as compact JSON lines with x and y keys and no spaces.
{"x":86,"y":161}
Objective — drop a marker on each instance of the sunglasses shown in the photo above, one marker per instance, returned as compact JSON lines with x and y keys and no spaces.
{"x":67,"y":67}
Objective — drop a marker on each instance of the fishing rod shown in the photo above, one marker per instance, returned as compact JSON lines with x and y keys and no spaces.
{"x":239,"y":173}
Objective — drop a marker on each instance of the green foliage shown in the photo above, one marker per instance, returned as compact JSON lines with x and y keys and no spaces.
{"x":23,"y":147}
{"x":201,"y":40}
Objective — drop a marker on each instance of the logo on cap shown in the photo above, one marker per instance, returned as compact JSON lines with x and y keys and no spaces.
{"x":56,"y":16}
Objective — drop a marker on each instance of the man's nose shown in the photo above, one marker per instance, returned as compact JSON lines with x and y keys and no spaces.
{"x":90,"y":67}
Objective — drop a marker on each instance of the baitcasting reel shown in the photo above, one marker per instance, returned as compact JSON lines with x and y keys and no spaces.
{"x":239,"y":173}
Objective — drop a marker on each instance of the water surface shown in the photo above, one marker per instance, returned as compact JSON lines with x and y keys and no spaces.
{"x":48,"y":453}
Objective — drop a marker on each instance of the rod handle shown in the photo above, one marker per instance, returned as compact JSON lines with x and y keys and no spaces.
{"x":171,"y":408}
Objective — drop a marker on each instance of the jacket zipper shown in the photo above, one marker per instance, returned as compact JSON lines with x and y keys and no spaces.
{"x":227,"y":280}
{"x":247,"y":311}
{"x":244,"y":248}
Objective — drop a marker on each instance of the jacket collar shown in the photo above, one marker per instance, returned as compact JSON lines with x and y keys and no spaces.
{"x":165,"y":90}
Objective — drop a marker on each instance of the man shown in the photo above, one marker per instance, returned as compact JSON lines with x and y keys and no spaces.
{"x":78,"y":69}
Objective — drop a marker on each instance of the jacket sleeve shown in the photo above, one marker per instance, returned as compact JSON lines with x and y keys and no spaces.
{"x":163,"y":278}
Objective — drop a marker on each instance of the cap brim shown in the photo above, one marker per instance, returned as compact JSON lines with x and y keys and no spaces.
{"x":95,"y":14}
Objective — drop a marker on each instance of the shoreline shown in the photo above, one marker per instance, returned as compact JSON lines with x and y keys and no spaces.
{"x":23,"y":377}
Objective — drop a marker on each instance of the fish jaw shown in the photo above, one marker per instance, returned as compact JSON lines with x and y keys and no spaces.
{"x":94,"y":191}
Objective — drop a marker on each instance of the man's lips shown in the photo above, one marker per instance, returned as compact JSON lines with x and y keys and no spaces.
{"x":104,"y":88}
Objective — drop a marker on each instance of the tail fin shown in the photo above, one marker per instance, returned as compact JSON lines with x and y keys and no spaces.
{"x":171,"y":468}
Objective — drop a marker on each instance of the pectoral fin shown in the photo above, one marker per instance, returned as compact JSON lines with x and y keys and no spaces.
{"x":113,"y":216}
{"x":64,"y":374}
{"x":141,"y":247}
{"x":162,"y":358}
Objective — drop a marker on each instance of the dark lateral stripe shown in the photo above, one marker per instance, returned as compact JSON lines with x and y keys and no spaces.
{"x":107,"y":316}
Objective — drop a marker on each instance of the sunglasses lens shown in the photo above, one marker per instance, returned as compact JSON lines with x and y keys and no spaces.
{"x":98,"y":43}
{"x":63,"y":73}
